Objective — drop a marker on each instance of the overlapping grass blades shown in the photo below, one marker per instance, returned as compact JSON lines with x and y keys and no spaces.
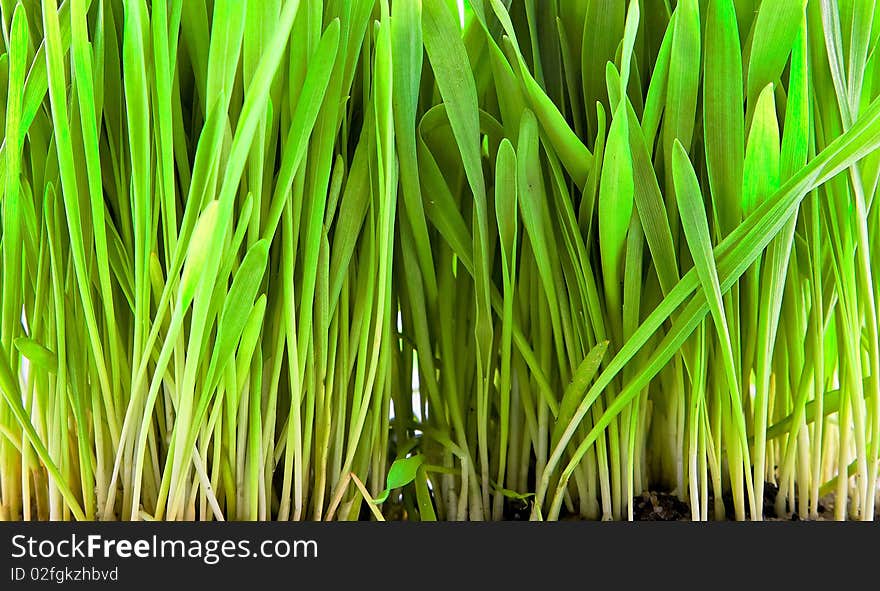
{"x":438,"y":260}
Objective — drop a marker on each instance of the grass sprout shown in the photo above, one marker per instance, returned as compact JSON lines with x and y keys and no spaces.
{"x":433,"y":260}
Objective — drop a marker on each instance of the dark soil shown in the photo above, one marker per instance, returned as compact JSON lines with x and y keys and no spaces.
{"x":660,"y":506}
{"x":649,"y":506}
{"x":516,"y":509}
{"x":771,"y":491}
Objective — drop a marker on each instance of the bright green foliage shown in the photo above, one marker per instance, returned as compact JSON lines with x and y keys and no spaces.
{"x":354,"y":259}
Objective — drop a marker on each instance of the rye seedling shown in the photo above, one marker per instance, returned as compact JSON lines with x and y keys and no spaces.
{"x":436,"y":260}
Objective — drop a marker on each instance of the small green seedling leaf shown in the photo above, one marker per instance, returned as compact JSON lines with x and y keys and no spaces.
{"x":616,"y":195}
{"x":37,"y":354}
{"x":761,"y":173}
{"x":402,"y":472}
{"x":197,"y":252}
{"x":239,"y":303}
{"x":582,"y":377}
{"x":512,"y":494}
